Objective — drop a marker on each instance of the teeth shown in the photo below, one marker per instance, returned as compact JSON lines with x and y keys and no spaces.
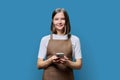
{"x":59,"y":25}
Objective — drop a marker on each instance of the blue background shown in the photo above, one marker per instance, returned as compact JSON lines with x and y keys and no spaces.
{"x":24,"y":22}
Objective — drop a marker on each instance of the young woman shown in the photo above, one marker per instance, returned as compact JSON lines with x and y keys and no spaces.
{"x":58,"y":49}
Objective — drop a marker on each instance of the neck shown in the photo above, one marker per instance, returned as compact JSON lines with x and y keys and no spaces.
{"x":60,"y":33}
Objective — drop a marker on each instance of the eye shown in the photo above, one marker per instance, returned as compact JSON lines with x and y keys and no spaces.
{"x":62,"y":18}
{"x":56,"y":19}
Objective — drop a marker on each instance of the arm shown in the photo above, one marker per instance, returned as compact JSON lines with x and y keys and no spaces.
{"x":45,"y":63}
{"x":74,"y":65}
{"x":41,"y":63}
{"x":77,"y":64}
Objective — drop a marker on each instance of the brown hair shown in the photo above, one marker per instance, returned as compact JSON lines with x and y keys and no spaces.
{"x":67,"y":21}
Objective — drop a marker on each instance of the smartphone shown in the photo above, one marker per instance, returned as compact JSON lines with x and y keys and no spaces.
{"x":60,"y":55}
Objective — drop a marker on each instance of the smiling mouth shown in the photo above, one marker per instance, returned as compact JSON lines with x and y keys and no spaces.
{"x":60,"y":25}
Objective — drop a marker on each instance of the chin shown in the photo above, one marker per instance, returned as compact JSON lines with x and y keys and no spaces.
{"x":60,"y":28}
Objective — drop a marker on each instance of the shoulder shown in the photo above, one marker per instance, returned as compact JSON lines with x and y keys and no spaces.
{"x":75,"y":38}
{"x":45,"y":38}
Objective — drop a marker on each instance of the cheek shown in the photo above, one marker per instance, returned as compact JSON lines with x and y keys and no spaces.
{"x":63,"y":22}
{"x":54,"y":22}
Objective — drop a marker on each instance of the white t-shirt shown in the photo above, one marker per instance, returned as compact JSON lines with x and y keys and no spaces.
{"x":76,"y":48}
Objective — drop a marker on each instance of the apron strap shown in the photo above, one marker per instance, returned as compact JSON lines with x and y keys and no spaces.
{"x":51,"y":36}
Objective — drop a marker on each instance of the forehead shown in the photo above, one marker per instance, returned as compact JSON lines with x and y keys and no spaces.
{"x":59,"y":14}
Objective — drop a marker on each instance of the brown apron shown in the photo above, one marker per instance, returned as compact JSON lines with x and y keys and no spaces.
{"x":57,"y":71}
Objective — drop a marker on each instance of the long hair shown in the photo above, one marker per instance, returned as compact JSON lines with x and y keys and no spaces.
{"x":67,"y":27}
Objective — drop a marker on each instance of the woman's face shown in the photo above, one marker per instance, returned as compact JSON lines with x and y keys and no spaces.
{"x":59,"y":21}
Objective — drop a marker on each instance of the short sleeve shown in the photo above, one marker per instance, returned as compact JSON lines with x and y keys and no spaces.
{"x":42,"y":48}
{"x":76,"y":47}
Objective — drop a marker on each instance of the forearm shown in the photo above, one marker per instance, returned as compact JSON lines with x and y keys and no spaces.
{"x":74,"y":65}
{"x":43,"y":64}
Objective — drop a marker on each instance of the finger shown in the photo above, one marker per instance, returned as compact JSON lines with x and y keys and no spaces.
{"x":62,"y":62}
{"x":54,"y":60}
{"x":65,"y":57}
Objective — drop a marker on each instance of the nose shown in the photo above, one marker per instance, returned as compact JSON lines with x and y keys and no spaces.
{"x":60,"y":21}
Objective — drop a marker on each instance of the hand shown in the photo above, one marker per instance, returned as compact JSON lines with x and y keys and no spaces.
{"x":55,"y":59}
{"x":64,"y":60}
